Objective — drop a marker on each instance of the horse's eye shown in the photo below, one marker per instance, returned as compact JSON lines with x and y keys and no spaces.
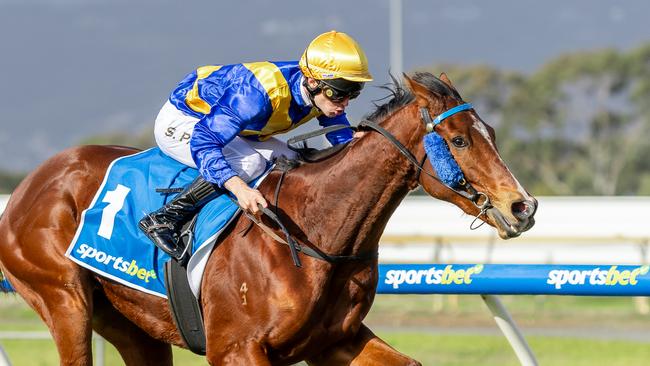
{"x":459,"y":142}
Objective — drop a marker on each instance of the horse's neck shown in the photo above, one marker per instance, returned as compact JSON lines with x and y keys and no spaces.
{"x":357,"y":195}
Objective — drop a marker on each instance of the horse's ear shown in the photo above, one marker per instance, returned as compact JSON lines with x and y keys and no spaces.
{"x":422,"y":94}
{"x":445,"y":79}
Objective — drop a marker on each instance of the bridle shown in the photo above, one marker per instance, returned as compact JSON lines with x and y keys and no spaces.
{"x":479,"y":199}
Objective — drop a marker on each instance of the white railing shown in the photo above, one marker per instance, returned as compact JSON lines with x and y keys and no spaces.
{"x":99,"y":352}
{"x":570,"y":230}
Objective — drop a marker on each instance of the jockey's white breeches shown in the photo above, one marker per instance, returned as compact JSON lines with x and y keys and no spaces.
{"x":173,"y":130}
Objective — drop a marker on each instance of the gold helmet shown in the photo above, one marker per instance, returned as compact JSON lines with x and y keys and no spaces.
{"x":335,"y":55}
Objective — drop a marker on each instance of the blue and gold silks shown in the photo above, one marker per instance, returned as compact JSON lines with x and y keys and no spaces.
{"x":253,"y":100}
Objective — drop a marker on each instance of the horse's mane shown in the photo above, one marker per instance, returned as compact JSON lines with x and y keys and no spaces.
{"x":401,"y":96}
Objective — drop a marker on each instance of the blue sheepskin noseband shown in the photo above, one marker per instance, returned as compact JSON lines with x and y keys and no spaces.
{"x":442,"y":161}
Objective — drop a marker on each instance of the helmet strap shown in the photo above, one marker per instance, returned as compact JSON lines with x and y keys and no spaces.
{"x":312,"y":92}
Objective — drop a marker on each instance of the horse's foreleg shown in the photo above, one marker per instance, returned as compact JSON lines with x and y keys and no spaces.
{"x":134,"y":345}
{"x":365,"y":349}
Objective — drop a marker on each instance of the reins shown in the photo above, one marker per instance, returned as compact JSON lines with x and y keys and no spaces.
{"x":296,"y":247}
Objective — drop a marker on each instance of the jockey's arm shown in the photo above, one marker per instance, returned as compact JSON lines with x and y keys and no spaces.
{"x":339,"y":136}
{"x":215,"y":130}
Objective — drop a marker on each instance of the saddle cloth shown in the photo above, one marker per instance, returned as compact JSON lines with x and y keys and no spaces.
{"x":108,"y":240}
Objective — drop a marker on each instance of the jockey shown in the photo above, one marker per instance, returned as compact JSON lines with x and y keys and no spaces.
{"x":221,"y":119}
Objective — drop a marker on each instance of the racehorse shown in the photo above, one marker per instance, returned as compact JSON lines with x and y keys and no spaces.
{"x":258,"y":308}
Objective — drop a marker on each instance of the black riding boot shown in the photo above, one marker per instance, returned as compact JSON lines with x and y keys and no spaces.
{"x":164,"y":225}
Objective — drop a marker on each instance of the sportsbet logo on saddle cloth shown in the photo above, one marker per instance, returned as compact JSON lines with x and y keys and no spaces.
{"x":108,"y":241}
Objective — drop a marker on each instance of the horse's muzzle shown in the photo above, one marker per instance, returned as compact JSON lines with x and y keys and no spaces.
{"x":522,"y":218}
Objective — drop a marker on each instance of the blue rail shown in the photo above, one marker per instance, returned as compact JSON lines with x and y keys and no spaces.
{"x":511,"y":279}
{"x":506,"y":279}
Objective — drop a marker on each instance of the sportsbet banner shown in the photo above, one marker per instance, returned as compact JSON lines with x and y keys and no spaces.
{"x":504,"y":279}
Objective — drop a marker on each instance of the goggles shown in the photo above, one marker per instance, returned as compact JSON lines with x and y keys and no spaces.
{"x":337,"y":90}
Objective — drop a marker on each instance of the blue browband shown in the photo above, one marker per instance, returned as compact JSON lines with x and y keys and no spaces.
{"x":451,"y":112}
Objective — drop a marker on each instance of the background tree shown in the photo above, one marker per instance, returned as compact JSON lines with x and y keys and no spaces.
{"x":577,"y":126}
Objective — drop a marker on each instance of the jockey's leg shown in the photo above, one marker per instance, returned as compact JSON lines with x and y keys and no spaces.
{"x":243,"y":159}
{"x":365,"y":349}
{"x":163,"y":226}
{"x":173,"y":130}
{"x":272,"y":149}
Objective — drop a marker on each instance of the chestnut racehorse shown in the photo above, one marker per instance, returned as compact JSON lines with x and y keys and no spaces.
{"x":258,"y":308}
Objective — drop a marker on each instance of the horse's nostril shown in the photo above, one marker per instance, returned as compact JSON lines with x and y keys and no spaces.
{"x":522,"y":209}
{"x":518,"y":207}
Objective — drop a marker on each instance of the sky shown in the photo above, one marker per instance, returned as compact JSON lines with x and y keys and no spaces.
{"x":70,"y":69}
